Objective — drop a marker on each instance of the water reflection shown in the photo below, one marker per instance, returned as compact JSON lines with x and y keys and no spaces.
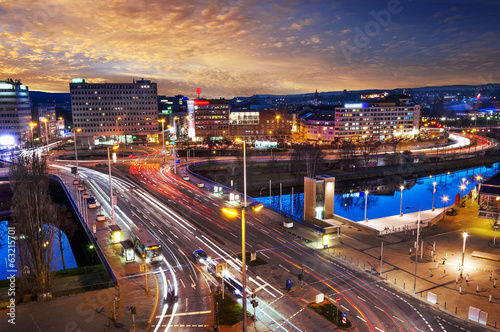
{"x":384,"y":198}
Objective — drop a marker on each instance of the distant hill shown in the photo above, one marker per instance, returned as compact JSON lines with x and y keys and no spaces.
{"x":48,"y":98}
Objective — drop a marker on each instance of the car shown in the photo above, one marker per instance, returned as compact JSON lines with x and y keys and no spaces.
{"x":200,"y":256}
{"x":91,"y":203}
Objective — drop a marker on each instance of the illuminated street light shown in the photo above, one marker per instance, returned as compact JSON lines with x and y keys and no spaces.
{"x":32,"y":125}
{"x":465,"y":235}
{"x":256,"y":206}
{"x":445,"y":199}
{"x":44,"y":120}
{"x":116,"y":127}
{"x":366,"y":203}
{"x":163,"y":132}
{"x":433,"y":192}
{"x":400,"y":202}
{"x":416,"y":249}
{"x":76,"y":130}
{"x":111,"y":186}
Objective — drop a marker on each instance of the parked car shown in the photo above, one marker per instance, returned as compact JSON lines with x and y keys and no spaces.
{"x":91,"y":203}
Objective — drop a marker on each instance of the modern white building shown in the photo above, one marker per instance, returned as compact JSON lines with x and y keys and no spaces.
{"x":377,"y":119}
{"x":126,"y":112}
{"x":15,"y":114}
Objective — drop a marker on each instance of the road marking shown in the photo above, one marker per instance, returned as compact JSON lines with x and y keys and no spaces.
{"x":362,"y":299}
{"x":344,"y":308}
{"x":182,"y":282}
{"x":379,"y":329}
{"x":284,"y":268}
{"x":361,"y":318}
{"x":379,"y":308}
{"x":398,"y":319}
{"x":265,"y":255}
{"x":190,"y":313}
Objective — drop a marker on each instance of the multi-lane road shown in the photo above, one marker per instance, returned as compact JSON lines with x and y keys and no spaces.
{"x":184,"y":218}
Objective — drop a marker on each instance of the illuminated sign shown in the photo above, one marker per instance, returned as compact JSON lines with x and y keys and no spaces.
{"x":356,"y":105}
{"x":6,"y":86}
{"x":77,"y":80}
{"x":201,"y":102}
{"x":191,"y":127}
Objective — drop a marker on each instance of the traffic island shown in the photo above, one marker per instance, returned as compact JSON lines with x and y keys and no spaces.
{"x":329,"y":310}
{"x":227,"y":311}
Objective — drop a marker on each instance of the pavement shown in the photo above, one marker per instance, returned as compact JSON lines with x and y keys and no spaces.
{"x":438,"y":264}
{"x":93,"y":310}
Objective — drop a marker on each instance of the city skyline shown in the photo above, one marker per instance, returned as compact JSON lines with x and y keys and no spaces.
{"x":238,"y":47}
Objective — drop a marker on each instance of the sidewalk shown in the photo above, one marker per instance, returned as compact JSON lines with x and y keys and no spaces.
{"x":437,"y":270}
{"x":93,"y":311}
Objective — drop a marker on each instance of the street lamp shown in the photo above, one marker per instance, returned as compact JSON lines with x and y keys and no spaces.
{"x":462,"y":187}
{"x":366,"y":203}
{"x":400,"y":202}
{"x":445,"y":199}
{"x":32,"y":125}
{"x":163,"y":132}
{"x":111,"y":186}
{"x":256,"y":206}
{"x":76,"y":130}
{"x":464,"y":234}
{"x":416,"y":249}
{"x":433,"y":192}
{"x":243,"y":251}
{"x":91,"y":247}
{"x":44,"y":120}
{"x":116,"y":127}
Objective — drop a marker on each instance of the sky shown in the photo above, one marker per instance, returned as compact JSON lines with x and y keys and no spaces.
{"x":244,"y":47}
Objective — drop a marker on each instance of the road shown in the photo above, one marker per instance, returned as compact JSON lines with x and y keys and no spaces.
{"x":368,"y":301}
{"x":185,"y":217}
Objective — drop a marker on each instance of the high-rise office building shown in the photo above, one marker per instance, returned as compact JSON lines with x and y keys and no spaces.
{"x":125,"y":112}
{"x":211,"y":118}
{"x":15,"y":114}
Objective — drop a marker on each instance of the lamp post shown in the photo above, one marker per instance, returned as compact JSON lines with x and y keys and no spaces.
{"x":116,"y":127}
{"x":445,"y":199}
{"x":111,"y":187}
{"x":44,"y":120}
{"x":464,"y":234}
{"x":32,"y":125}
{"x":366,"y":203}
{"x":256,"y":206}
{"x":400,"y":202}
{"x":163,"y":132}
{"x":433,"y":192}
{"x":76,"y":130}
{"x":416,"y":249}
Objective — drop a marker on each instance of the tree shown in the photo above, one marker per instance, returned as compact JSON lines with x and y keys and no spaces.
{"x":347,"y":153}
{"x":65,"y":225}
{"x":33,"y":211}
{"x":368,"y":147}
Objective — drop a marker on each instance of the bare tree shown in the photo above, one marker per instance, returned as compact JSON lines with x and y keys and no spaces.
{"x":347,"y":152}
{"x":313,"y":156}
{"x":65,"y":225}
{"x":33,"y":211}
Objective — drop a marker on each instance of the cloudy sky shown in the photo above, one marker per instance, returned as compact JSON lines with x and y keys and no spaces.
{"x":244,"y":47}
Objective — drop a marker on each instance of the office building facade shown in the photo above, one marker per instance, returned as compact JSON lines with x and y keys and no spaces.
{"x":15,"y":114}
{"x":127,"y":112}
{"x":395,"y":116}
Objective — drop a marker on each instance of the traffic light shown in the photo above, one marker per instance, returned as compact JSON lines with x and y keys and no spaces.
{"x":254,"y":303}
{"x":301,"y":276}
{"x":253,"y":293}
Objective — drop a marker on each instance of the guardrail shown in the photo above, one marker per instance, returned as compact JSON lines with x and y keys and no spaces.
{"x":90,"y":234}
